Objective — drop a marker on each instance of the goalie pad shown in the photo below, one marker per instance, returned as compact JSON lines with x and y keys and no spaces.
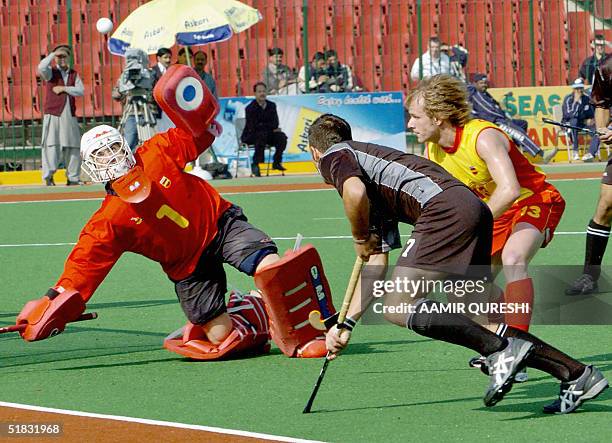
{"x":292,"y":288}
{"x":48,"y":315}
{"x":249,"y":336}
{"x":183,"y":95}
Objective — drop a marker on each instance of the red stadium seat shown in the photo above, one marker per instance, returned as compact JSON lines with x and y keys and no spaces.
{"x":579,"y":37}
{"x":24,"y":102}
{"x":37,"y":35}
{"x":14,"y":15}
{"x":476,"y":35}
{"x":108,"y":75}
{"x":9,"y":36}
{"x":105,"y":105}
{"x":23,"y":76}
{"x":452,"y":21}
{"x":29,"y":56}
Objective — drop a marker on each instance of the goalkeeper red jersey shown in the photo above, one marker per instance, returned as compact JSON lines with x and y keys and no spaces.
{"x":172,"y":226}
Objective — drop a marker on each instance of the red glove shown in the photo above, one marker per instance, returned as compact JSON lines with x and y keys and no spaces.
{"x":48,"y":315}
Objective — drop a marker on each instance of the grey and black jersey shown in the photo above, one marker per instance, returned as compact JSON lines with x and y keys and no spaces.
{"x":399,"y":185}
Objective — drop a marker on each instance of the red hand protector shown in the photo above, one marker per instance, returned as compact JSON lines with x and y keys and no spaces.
{"x":183,"y":95}
{"x":47,"y":316}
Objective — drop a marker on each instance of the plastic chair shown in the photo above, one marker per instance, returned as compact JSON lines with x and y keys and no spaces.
{"x":239,"y":124}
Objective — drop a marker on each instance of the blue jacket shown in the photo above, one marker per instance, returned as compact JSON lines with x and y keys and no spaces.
{"x":577,"y":110}
{"x":484,"y":106}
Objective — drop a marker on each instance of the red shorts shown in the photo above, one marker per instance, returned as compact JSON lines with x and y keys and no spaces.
{"x":542,"y":210}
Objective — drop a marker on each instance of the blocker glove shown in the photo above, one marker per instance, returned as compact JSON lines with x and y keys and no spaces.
{"x":48,"y":315}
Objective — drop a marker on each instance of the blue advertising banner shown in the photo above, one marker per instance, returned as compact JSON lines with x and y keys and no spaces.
{"x":376,"y":117}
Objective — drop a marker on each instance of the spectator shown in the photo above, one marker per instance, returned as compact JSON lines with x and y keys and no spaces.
{"x":340,"y":75}
{"x":277,"y":76}
{"x":182,"y":58}
{"x":319,"y":75}
{"x":261,"y":129}
{"x":590,"y":64}
{"x":458,"y":57}
{"x":61,"y":134}
{"x":578,"y":111}
{"x":200,"y":60}
{"x":485,"y":107}
{"x":434,"y":61}
{"x":164,"y":59}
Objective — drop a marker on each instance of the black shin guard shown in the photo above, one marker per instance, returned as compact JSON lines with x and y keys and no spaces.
{"x":545,"y":357}
{"x":596,"y":242}
{"x":430,"y":320}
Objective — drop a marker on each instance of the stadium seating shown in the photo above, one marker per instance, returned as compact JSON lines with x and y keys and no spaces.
{"x":377,"y":38}
{"x":580,"y":35}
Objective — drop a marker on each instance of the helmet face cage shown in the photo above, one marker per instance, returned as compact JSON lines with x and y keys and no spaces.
{"x":108,"y":161}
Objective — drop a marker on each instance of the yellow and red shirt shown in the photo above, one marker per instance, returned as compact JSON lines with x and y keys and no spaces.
{"x":464,"y":163}
{"x":172,"y":226}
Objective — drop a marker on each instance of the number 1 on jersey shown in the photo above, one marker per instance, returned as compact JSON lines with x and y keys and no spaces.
{"x":167,"y":211}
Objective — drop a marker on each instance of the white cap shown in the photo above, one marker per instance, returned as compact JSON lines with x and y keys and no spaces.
{"x":578,"y":84}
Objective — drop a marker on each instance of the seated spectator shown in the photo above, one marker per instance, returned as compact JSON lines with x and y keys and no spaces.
{"x":320,"y":80}
{"x":458,"y":56}
{"x":578,"y":111}
{"x":590,"y":64}
{"x":279,"y":78}
{"x":485,"y":107}
{"x":200,"y":60}
{"x":340,"y":75}
{"x":182,"y":57}
{"x":434,"y":61}
{"x":261,"y":129}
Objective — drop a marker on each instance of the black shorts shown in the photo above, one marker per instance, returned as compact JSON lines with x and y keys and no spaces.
{"x":238,"y":243}
{"x":387,"y":230}
{"x":454,"y":235}
{"x":607,"y":175}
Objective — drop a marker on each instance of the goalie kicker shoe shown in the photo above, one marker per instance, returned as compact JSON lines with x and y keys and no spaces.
{"x":573,"y":393}
{"x":503,"y":366}
{"x":480,"y":362}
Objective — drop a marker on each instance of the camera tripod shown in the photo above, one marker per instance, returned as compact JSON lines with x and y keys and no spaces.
{"x":137,"y":106}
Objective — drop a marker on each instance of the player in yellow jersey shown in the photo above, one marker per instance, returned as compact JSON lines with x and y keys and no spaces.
{"x":526,"y":208}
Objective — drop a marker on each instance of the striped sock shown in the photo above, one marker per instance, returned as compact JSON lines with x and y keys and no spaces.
{"x":596,"y":242}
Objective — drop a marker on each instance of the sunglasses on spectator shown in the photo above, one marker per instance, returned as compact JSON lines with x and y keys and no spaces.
{"x":61,"y":56}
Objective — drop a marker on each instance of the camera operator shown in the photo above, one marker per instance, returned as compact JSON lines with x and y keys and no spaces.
{"x":134,"y":90}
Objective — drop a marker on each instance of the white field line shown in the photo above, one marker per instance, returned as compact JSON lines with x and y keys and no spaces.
{"x":153,"y":422}
{"x":322,"y":237}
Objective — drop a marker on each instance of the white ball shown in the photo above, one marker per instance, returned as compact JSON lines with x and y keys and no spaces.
{"x":104,"y":25}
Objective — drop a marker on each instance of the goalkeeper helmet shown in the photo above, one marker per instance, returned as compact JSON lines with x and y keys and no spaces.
{"x":106,"y":155}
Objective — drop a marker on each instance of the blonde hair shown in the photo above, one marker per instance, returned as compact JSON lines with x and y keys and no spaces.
{"x":444,"y":97}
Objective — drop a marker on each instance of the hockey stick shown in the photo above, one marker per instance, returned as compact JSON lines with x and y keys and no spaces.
{"x":348,"y":296}
{"x":564,"y":125}
{"x":21,"y":327}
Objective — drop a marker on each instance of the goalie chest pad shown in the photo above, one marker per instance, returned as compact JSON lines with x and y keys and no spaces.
{"x":292,"y":288}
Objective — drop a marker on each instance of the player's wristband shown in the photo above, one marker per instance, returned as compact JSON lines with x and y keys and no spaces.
{"x":348,"y":324}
